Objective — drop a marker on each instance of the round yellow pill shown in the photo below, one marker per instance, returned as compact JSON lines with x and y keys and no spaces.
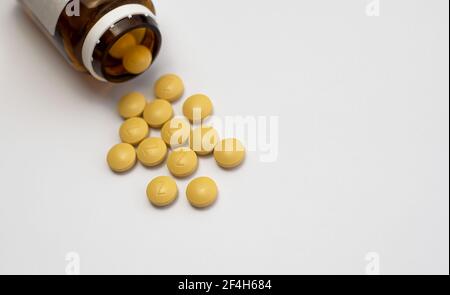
{"x":176,"y":132}
{"x":197,"y":107}
{"x":134,"y":130}
{"x":121,"y":157}
{"x":182,"y":162}
{"x":122,"y":46}
{"x":202,"y":192}
{"x":229,"y":153}
{"x":162,"y":191}
{"x":139,"y":34}
{"x":158,"y":112}
{"x":203,"y":140}
{"x":169,"y":87}
{"x":137,"y":60}
{"x":132,"y":105}
{"x":151,"y":152}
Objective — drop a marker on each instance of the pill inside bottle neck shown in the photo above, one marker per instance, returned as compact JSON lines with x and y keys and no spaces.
{"x":121,"y":57}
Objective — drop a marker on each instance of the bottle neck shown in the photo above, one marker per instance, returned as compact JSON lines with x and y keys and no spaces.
{"x":108,"y":30}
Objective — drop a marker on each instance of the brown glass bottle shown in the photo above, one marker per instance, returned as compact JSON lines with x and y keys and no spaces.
{"x":85,"y":31}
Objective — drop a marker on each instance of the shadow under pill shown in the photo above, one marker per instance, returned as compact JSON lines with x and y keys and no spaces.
{"x":241,"y":166}
{"x":164,"y":208}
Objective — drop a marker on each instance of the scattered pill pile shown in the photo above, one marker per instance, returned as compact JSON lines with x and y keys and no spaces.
{"x":135,"y":57}
{"x":179,"y":143}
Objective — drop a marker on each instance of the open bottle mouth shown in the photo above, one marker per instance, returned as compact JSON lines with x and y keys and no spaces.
{"x":145,"y":32}
{"x":99,"y":53}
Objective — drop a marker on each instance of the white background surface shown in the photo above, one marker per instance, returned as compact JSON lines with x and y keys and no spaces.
{"x":363,"y":151}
